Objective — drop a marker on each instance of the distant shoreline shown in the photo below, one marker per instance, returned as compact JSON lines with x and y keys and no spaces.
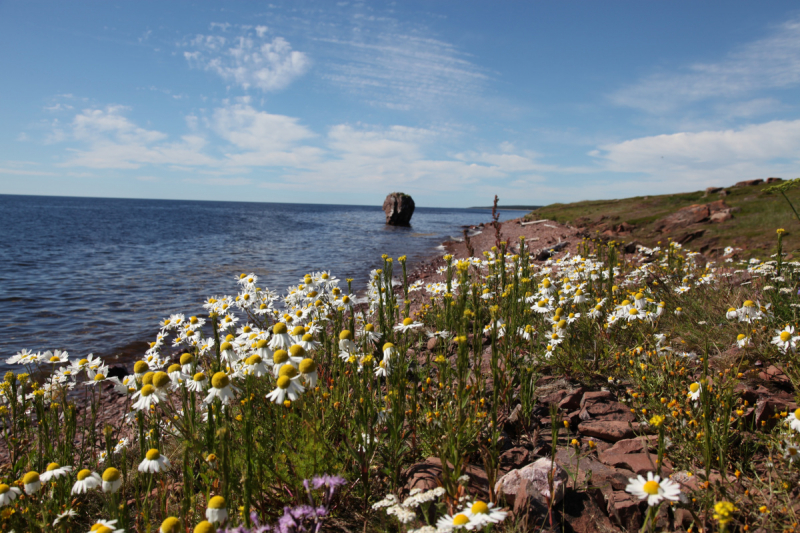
{"x":509,"y":207}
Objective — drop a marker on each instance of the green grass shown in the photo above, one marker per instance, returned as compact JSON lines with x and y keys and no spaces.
{"x":756,"y":217}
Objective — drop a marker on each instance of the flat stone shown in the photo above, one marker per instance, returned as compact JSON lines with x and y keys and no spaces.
{"x":427,"y":475}
{"x":636,"y":445}
{"x":625,"y":511}
{"x":610,"y":430}
{"x":591,"y":398}
{"x":749,"y":183}
{"x":640,"y":463}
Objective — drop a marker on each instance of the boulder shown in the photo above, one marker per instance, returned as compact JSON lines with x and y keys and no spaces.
{"x":721,"y":216}
{"x":641,"y":463}
{"x":774,"y":180}
{"x":398,"y":207}
{"x":532,"y":483}
{"x":711,"y":190}
{"x":749,"y":183}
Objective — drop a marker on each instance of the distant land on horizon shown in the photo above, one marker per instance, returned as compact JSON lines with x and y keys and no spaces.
{"x":509,"y":207}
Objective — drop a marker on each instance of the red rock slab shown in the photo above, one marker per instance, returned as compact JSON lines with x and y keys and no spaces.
{"x":609,"y":430}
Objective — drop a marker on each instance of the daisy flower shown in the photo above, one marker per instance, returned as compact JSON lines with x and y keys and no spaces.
{"x":255,"y":365}
{"x":55,"y":358}
{"x":731,"y":314}
{"x":140,"y":368}
{"x":389,"y":350}
{"x":369,"y":333}
{"x":407,"y":325}
{"x":346,"y":343}
{"x":309,"y":344}
{"x":481,"y":514}
{"x":286,"y":386}
{"x":308,"y":371}
{"x":198,"y":383}
{"x":748,"y":312}
{"x":794,"y":420}
{"x":8,"y":494}
{"x":153,"y":462}
{"x":382,"y":370}
{"x":69,"y":513}
{"x":31,"y":482}
{"x":694,"y":391}
{"x":450,"y":522}
{"x":187,"y":363}
{"x":653,"y":489}
{"x":112,"y":480}
{"x":280,"y":337}
{"x":579,"y":297}
{"x":87,"y":480}
{"x":785,"y":339}
{"x":54,"y":471}
{"x":146,"y":397}
{"x":742,"y":340}
{"x":791,"y":451}
{"x":216,"y":511}
{"x":220,"y":388}
{"x":542,"y":306}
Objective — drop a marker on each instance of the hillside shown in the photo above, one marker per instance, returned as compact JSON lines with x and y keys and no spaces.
{"x":742,"y":216}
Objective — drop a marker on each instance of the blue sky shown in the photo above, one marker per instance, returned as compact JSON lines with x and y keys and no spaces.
{"x":342,"y":102}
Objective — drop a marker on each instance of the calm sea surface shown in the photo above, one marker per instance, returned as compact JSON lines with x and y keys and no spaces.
{"x":96,"y":275}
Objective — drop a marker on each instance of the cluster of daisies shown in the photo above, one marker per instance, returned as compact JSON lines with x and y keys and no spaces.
{"x":472,"y":515}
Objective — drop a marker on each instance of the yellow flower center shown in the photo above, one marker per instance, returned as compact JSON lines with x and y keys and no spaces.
{"x":298,"y":330}
{"x":152,"y":454}
{"x":279,"y":328}
{"x":83,"y":474}
{"x":30,"y":477}
{"x":141,"y":367}
{"x":283,"y":382}
{"x":388,"y":346}
{"x":633,"y":311}
{"x":460,"y":520}
{"x":4,"y":488}
{"x":308,"y":337}
{"x":253,"y":360}
{"x":217,"y":502}
{"x":280,"y":357}
{"x":187,"y":359}
{"x":307,"y":366}
{"x":288,"y":370}
{"x":147,"y":390}
{"x":749,"y":303}
{"x":694,"y":387}
{"x":651,"y":487}
{"x":785,"y":336}
{"x":147,"y":379}
{"x":297,"y":351}
{"x":199,"y":377}
{"x":369,"y":327}
{"x":171,"y":525}
{"x":100,"y":528}
{"x":345,"y":335}
{"x":407,"y":321}
{"x":83,"y":362}
{"x":161,"y":380}
{"x":111,"y":474}
{"x":479,"y":508}
{"x":51,"y":467}
{"x":225,"y":346}
{"x":220,"y":380}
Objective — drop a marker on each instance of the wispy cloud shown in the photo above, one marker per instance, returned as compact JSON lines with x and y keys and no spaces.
{"x":769,"y":63}
{"x":400,"y":70}
{"x":247,"y":60}
{"x":687,"y":160}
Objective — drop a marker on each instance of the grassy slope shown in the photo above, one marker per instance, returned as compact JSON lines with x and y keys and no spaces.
{"x":752,"y":227}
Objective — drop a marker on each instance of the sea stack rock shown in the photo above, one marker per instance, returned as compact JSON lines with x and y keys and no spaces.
{"x":398,"y":207}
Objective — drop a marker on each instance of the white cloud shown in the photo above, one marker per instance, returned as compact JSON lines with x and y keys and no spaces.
{"x":248,"y":60}
{"x":684,"y":160}
{"x":19,"y":172}
{"x":772,"y":62}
